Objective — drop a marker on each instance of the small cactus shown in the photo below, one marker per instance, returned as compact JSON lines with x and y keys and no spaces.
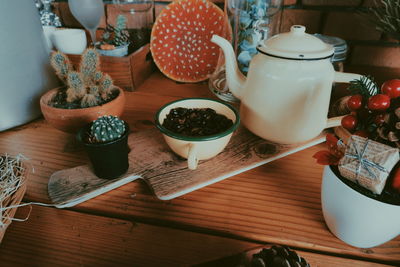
{"x":106,"y":85}
{"x":90,"y":64}
{"x":118,"y":35}
{"x":88,"y":87}
{"x":92,"y":98}
{"x":120,"y":30}
{"x":121,"y":23}
{"x":107,"y":128}
{"x":76,"y":89}
{"x":61,"y":64}
{"x":98,"y":76}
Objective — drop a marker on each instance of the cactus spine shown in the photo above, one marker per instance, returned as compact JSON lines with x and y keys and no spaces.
{"x":107,"y":128}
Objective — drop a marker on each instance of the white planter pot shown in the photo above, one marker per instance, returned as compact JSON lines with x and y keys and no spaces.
{"x":119,"y":51}
{"x":356,"y":219}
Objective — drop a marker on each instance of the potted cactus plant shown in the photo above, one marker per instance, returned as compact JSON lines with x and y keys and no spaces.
{"x":106,"y":142}
{"x":88,"y":93}
{"x":115,"y":40}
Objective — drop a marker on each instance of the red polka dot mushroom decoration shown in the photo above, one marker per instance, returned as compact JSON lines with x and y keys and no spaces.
{"x":180,"y":39}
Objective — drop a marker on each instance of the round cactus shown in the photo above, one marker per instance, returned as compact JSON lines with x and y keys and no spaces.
{"x":107,"y":128}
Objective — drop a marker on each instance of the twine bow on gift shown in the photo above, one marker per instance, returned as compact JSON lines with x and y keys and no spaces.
{"x":365,"y":163}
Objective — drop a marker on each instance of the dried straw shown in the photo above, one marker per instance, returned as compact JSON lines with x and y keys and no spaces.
{"x":386,"y":17}
{"x":12,"y":188}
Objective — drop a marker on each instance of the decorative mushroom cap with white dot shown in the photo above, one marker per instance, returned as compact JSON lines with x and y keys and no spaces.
{"x":181,"y":39}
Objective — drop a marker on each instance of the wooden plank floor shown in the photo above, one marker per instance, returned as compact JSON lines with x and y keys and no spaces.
{"x":54,"y":237}
{"x":64,"y":238}
{"x":275,"y":203}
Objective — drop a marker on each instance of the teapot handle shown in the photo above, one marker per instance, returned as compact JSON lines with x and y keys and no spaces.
{"x":341,"y":77}
{"x":334,"y":122}
{"x":192,"y":159}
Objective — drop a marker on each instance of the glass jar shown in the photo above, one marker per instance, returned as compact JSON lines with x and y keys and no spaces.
{"x":340,"y":46}
{"x":250,"y":22}
{"x":140,"y":19}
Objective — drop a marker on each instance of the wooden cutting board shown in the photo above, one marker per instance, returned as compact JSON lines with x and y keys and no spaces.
{"x":166,"y":173}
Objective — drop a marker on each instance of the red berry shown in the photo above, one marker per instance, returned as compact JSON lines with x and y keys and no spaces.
{"x":349,"y":122}
{"x":396,"y":180}
{"x":355,"y":102}
{"x":361,"y":133}
{"x":379,"y":102}
{"x":379,"y":119}
{"x":391,"y":88}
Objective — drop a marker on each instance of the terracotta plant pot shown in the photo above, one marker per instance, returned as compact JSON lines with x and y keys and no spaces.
{"x":354,"y":218}
{"x":71,"y":120}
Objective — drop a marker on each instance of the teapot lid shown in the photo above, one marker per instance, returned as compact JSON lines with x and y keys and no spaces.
{"x":296,"y":44}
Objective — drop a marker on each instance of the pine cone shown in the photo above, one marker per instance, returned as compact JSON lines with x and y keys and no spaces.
{"x":389,"y":131}
{"x":278,"y":256}
{"x":339,"y":107}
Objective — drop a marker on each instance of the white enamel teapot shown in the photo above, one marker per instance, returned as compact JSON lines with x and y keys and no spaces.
{"x":285,"y":97}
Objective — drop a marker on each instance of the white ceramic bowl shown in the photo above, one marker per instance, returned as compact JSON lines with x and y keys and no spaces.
{"x":356,"y":219}
{"x":70,"y":41}
{"x":198,"y":148}
{"x":119,"y":51}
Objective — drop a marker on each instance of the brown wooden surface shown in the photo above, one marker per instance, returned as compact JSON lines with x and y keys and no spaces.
{"x":66,"y":238}
{"x":313,"y":259}
{"x":245,"y":151}
{"x":166,"y":173}
{"x":276,"y":203}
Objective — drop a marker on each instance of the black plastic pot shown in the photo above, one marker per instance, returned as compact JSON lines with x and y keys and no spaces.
{"x":109,"y":159}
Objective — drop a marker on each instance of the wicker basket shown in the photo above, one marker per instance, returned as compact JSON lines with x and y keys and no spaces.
{"x":13,"y":200}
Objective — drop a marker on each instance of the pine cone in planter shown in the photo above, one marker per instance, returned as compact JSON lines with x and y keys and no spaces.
{"x":389,"y":131}
{"x":278,"y":256}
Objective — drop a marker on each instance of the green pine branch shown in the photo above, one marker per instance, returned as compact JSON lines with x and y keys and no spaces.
{"x":364,"y":86}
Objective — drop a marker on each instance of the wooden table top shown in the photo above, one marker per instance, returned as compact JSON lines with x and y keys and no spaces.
{"x":277,"y":203}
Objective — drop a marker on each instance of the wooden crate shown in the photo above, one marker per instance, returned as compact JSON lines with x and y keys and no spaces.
{"x":128,"y":72}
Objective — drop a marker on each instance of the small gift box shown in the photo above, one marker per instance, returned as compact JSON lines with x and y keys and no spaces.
{"x":368,"y":163}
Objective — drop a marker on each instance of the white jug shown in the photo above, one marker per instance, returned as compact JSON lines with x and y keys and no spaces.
{"x":285,"y":98}
{"x":25,"y":71}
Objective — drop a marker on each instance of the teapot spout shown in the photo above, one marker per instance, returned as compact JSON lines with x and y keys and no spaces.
{"x":234,"y":77}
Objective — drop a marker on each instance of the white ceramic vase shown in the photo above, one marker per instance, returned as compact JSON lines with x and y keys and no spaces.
{"x":48,"y":36}
{"x":70,"y":41}
{"x":356,"y":219}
